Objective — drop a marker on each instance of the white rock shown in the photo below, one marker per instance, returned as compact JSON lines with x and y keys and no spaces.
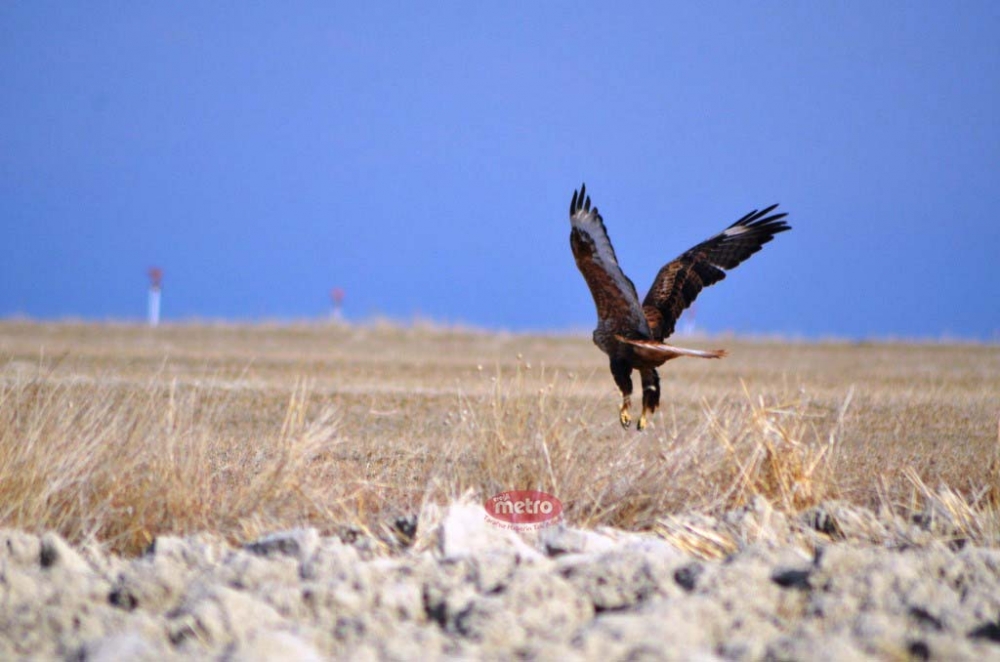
{"x":124,"y":646}
{"x":272,"y":645}
{"x":297,"y":543}
{"x":464,"y":531}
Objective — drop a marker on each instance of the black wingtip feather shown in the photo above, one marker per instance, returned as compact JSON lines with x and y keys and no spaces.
{"x":580,"y":200}
{"x":759,"y":219}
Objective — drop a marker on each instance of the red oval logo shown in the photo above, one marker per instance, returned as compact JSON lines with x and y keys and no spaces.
{"x":524,"y":507}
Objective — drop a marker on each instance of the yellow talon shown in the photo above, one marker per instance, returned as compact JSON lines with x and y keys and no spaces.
{"x":641,"y":425}
{"x":625,"y":417}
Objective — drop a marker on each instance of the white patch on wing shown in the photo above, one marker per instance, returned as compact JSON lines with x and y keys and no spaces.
{"x":587,"y":222}
{"x":735,"y":230}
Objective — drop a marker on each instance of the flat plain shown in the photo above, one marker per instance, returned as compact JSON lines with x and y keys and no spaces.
{"x":122,"y":432}
{"x":314,"y":491}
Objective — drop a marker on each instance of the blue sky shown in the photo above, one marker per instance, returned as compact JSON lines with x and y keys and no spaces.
{"x":422,"y":156}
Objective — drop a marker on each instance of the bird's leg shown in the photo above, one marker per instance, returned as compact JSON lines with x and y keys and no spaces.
{"x":622,"y":373}
{"x":623,"y":415}
{"x":650,"y":395}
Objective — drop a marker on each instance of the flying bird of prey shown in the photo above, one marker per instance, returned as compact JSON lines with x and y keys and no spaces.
{"x":632,"y":334}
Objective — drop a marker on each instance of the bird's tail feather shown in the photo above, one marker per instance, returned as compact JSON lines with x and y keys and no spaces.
{"x":653,"y":350}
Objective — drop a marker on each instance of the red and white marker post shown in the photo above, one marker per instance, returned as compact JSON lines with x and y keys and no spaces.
{"x":337,"y":298}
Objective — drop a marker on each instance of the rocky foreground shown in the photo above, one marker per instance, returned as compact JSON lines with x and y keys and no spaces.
{"x":836,"y":584}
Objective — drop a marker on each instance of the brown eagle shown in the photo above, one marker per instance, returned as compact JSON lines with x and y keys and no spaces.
{"x":632,"y":334}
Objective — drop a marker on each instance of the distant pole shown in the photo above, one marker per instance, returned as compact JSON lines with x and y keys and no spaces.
{"x":337,"y":297}
{"x":155,"y":283}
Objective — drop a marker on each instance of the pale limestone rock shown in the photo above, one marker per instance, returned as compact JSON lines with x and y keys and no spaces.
{"x":560,"y":539}
{"x":19,"y":548}
{"x":748,"y":584}
{"x":129,"y":645}
{"x":299,"y":544}
{"x":627,"y":575}
{"x":217,"y":617}
{"x":464,"y":531}
{"x":268,"y":645}
{"x":57,"y":555}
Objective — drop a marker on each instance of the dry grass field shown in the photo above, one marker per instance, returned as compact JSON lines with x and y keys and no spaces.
{"x":121,"y":433}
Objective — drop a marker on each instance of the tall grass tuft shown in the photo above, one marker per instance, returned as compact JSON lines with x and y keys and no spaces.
{"x":525,"y":435}
{"x":121,"y":465}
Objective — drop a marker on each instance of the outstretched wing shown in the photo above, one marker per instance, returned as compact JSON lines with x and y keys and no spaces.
{"x":614,"y":294}
{"x":679,"y":282}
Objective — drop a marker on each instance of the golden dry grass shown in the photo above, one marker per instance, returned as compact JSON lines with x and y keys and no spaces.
{"x":121,"y":433}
